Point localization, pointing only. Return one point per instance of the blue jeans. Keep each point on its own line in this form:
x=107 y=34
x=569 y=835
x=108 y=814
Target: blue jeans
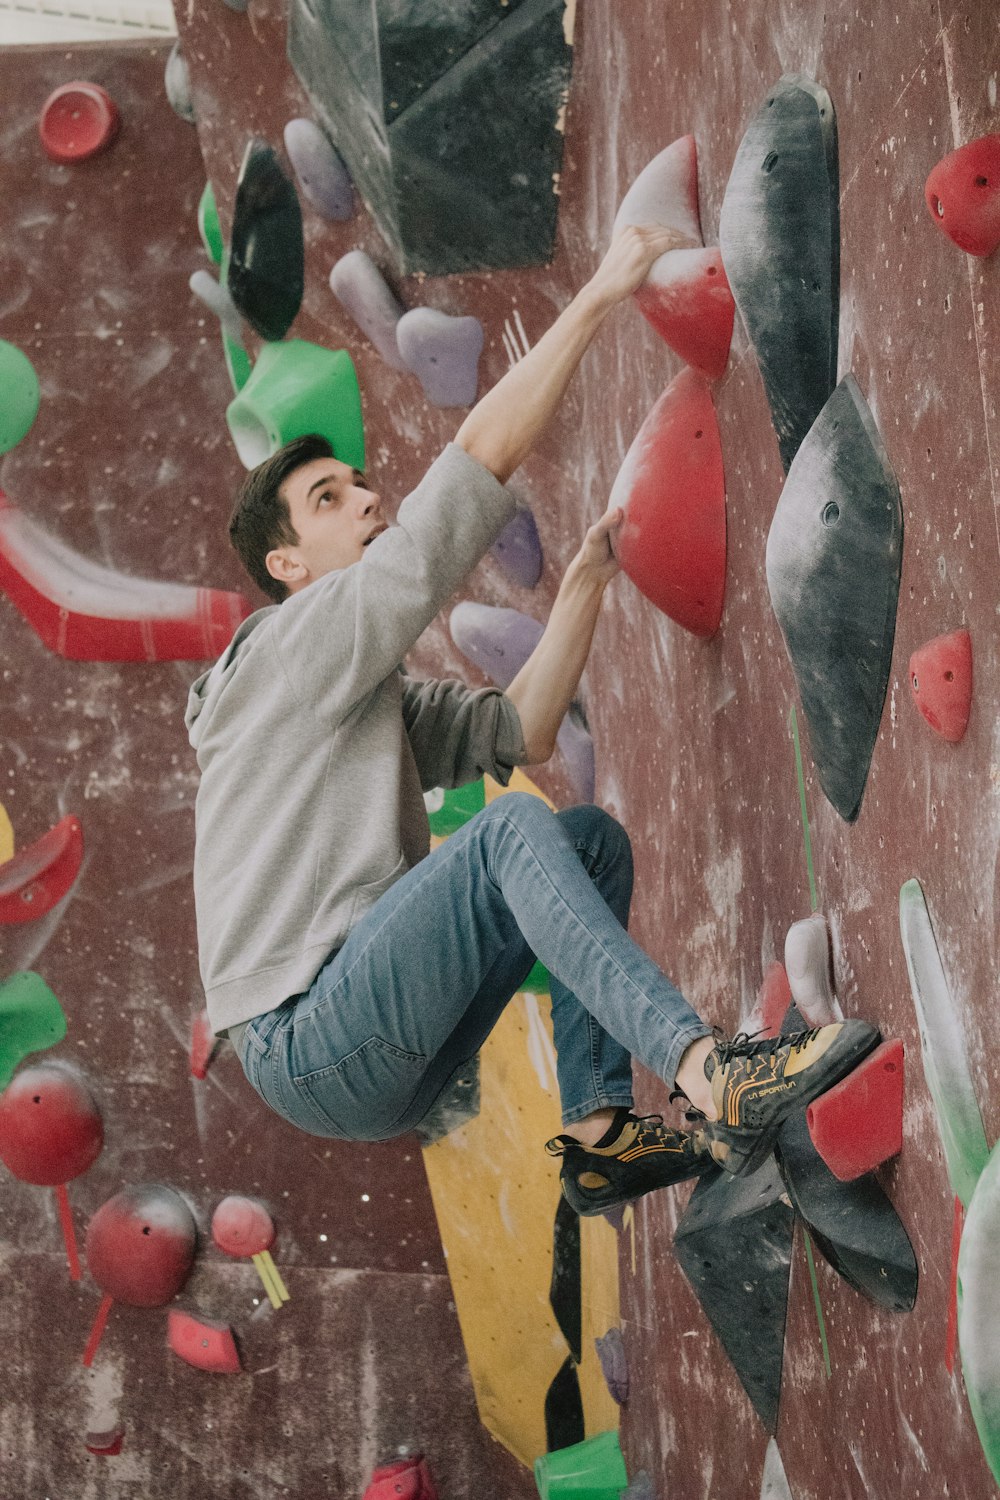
x=395 y=1014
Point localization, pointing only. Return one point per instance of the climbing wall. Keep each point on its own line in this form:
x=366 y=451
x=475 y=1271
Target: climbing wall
x=696 y=742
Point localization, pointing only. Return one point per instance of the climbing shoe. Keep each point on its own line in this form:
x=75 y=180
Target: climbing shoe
x=635 y=1156
x=758 y=1082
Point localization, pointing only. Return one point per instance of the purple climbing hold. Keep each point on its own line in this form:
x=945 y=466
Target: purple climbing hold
x=518 y=550
x=611 y=1353
x=361 y=289
x=319 y=171
x=443 y=351
x=500 y=641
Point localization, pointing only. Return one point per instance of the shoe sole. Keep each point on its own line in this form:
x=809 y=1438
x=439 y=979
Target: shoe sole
x=762 y=1144
x=589 y=1208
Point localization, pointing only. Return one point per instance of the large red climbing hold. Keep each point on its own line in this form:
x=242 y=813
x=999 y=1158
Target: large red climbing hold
x=858 y=1124
x=963 y=195
x=672 y=542
x=666 y=192
x=941 y=683
x=78 y=120
x=39 y=876
x=141 y=1244
x=686 y=297
x=206 y=1345
x=407 y=1479
x=50 y=1126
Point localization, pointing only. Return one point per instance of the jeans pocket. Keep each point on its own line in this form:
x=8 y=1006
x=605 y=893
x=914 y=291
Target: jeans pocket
x=364 y=1095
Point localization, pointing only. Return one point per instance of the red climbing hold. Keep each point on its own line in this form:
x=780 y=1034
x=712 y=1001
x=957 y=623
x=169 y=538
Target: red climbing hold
x=78 y=120
x=963 y=195
x=858 y=1124
x=687 y=299
x=773 y=1000
x=941 y=683
x=140 y=1245
x=36 y=878
x=105 y=1444
x=50 y=1126
x=672 y=542
x=408 y=1479
x=203 y=1044
x=207 y=1346
x=242 y=1226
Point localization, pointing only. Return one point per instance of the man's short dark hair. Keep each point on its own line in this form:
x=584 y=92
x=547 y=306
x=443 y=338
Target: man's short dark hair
x=261 y=519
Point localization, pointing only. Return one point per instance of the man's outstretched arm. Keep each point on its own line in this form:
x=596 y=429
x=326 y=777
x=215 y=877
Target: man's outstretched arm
x=502 y=429
x=546 y=685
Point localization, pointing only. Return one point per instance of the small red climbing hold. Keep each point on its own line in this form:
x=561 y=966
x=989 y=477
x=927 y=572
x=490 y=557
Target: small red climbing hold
x=242 y=1226
x=858 y=1124
x=38 y=877
x=78 y=120
x=407 y=1479
x=105 y=1444
x=672 y=542
x=941 y=683
x=206 y=1345
x=963 y=195
x=203 y=1044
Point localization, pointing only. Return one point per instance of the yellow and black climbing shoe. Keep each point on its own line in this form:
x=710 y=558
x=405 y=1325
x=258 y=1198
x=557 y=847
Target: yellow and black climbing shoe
x=635 y=1156
x=757 y=1083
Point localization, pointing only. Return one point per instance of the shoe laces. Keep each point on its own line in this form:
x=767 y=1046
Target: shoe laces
x=745 y=1044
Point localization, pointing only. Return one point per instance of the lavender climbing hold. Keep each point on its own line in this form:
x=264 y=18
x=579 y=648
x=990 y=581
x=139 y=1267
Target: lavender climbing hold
x=807 y=964
x=518 y=550
x=614 y=1366
x=443 y=352
x=319 y=171
x=576 y=747
x=177 y=81
x=215 y=296
x=362 y=291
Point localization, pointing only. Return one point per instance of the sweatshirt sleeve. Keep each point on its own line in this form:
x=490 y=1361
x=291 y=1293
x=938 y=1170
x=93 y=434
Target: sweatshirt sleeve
x=339 y=638
x=457 y=733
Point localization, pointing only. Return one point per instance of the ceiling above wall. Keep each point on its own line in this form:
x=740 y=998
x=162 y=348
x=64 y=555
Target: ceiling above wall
x=23 y=22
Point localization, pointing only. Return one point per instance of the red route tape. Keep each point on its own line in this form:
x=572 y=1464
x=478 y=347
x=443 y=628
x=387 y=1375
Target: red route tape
x=951 y=1336
x=97 y=1330
x=69 y=1233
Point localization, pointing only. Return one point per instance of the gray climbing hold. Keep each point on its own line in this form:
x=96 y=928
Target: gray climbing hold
x=216 y=298
x=239 y=5
x=177 y=80
x=780 y=236
x=518 y=550
x=834 y=555
x=979 y=1310
x=774 y=1481
x=614 y=1366
x=641 y=1488
x=319 y=170
x=361 y=289
x=807 y=965
x=443 y=352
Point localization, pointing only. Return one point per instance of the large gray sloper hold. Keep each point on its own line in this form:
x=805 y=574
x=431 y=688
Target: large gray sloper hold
x=834 y=554
x=324 y=180
x=780 y=238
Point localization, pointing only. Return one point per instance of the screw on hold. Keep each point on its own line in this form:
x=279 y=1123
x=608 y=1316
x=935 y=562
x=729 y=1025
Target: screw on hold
x=769 y=162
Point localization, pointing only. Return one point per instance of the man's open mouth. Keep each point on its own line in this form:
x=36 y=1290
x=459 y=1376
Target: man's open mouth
x=377 y=532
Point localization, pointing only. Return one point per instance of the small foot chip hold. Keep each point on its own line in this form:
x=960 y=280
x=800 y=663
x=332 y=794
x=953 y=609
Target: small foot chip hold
x=319 y=171
x=78 y=120
x=443 y=352
x=941 y=683
x=858 y=1124
x=266 y=272
x=177 y=81
x=206 y=1345
x=963 y=195
x=105 y=1444
x=37 y=878
x=363 y=293
x=406 y=1479
x=203 y=1044
x=672 y=542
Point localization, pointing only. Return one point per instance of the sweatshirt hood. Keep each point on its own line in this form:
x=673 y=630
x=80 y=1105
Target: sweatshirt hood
x=206 y=690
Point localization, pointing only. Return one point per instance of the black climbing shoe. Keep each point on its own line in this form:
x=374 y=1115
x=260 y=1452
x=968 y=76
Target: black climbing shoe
x=642 y=1154
x=757 y=1083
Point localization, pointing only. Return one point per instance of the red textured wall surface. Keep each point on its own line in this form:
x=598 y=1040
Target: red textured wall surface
x=693 y=748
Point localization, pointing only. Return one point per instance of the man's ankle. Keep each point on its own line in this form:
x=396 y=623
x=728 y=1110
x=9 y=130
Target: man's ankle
x=690 y=1078
x=592 y=1128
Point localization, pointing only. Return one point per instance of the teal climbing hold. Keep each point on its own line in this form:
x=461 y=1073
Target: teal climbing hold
x=298 y=388
x=979 y=1310
x=19 y=396
x=946 y=1065
x=209 y=227
x=31 y=1020
x=591 y=1470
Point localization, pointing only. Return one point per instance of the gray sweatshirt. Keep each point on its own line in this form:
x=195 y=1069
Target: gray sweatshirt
x=314 y=748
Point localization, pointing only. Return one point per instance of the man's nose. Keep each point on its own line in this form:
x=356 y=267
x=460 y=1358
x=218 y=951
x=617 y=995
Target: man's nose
x=371 y=501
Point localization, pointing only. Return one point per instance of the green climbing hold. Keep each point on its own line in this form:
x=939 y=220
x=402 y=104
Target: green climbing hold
x=298 y=388
x=237 y=362
x=209 y=227
x=978 y=1311
x=538 y=981
x=591 y=1470
x=448 y=809
x=31 y=1020
x=19 y=396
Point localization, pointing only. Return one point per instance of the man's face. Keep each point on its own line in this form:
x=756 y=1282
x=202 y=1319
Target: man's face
x=335 y=516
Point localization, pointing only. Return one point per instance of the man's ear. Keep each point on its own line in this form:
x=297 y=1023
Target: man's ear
x=287 y=570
